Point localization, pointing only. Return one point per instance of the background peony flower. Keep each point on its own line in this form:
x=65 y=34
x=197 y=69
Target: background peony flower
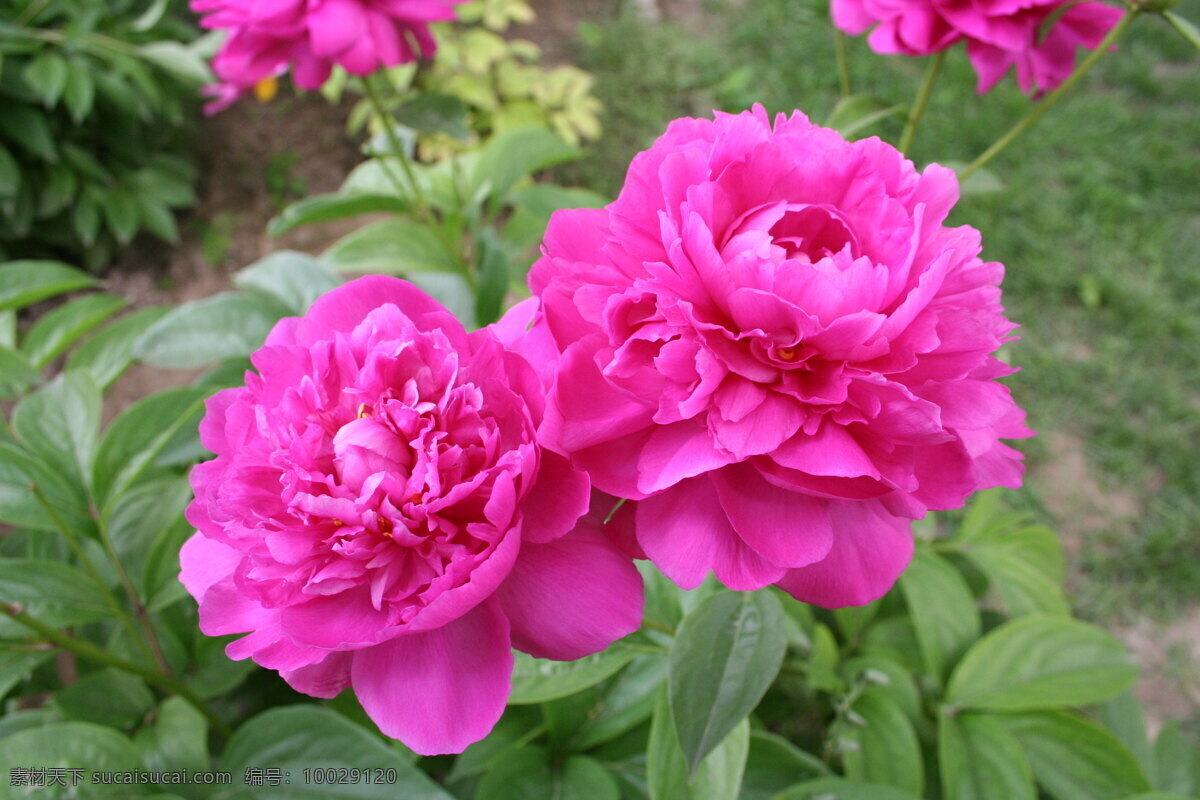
x=999 y=33
x=379 y=516
x=772 y=342
x=267 y=36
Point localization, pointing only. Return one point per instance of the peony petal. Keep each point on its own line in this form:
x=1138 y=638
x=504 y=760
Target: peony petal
x=677 y=452
x=441 y=690
x=789 y=529
x=572 y=597
x=326 y=678
x=558 y=499
x=203 y=562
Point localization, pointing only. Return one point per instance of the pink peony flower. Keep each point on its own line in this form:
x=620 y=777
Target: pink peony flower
x=773 y=343
x=268 y=36
x=379 y=516
x=998 y=33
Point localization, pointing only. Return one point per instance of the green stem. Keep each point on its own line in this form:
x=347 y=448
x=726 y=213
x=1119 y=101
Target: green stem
x=922 y=101
x=839 y=45
x=658 y=626
x=1053 y=97
x=139 y=609
x=31 y=11
x=90 y=567
x=385 y=118
x=93 y=653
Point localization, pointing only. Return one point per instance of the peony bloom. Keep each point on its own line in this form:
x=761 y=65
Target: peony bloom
x=998 y=33
x=379 y=516
x=266 y=36
x=772 y=342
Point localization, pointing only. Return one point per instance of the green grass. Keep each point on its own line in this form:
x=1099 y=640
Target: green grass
x=1099 y=227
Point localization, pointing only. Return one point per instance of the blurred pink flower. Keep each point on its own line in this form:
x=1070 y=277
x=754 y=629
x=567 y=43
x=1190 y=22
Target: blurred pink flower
x=1040 y=37
x=266 y=37
x=379 y=516
x=772 y=342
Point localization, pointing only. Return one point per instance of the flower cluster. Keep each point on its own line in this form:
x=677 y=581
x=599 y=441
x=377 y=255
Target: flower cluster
x=310 y=36
x=1039 y=37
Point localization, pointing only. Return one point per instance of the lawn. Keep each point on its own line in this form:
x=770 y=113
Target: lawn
x=1098 y=224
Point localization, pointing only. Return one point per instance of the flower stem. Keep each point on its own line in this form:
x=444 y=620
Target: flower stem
x=839 y=45
x=139 y=609
x=1053 y=97
x=922 y=101
x=91 y=652
x=385 y=117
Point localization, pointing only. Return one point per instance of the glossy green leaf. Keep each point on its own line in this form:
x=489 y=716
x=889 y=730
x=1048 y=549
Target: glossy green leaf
x=107 y=353
x=329 y=207
x=515 y=154
x=980 y=760
x=20 y=506
x=536 y=680
x=492 y=269
x=16 y=666
x=858 y=112
x=1187 y=29
x=1125 y=718
x=23 y=283
x=451 y=290
x=840 y=789
x=725 y=656
x=107 y=697
x=60 y=423
x=178 y=740
x=431 y=112
x=209 y=330
x=942 y=608
x=51 y=591
x=1039 y=662
x=390 y=247
x=528 y=773
x=1025 y=566
x=17 y=375
x=295 y=279
x=179 y=60
x=28 y=127
x=57 y=330
x=79 y=92
x=1176 y=761
x=293 y=738
x=1074 y=758
x=774 y=764
x=138 y=518
x=74 y=745
x=627 y=701
x=719 y=774
x=46 y=75
x=888 y=677
x=878 y=743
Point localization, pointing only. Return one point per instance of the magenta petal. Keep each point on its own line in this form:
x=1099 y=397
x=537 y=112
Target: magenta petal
x=326 y=678
x=336 y=621
x=203 y=562
x=685 y=532
x=572 y=597
x=343 y=309
x=442 y=690
x=870 y=550
x=676 y=452
x=789 y=529
x=558 y=499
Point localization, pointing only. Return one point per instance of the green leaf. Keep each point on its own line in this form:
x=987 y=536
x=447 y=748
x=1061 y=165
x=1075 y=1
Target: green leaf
x=54 y=592
x=858 y=111
x=329 y=207
x=628 y=700
x=46 y=75
x=430 y=112
x=839 y=789
x=1177 y=761
x=16 y=666
x=493 y=278
x=179 y=60
x=209 y=330
x=888 y=677
x=981 y=760
x=719 y=775
x=122 y=213
x=514 y=154
x=28 y=127
x=10 y=173
x=536 y=680
x=60 y=423
x=108 y=697
x=138 y=434
x=79 y=92
x=1124 y=718
x=390 y=247
x=1074 y=758
x=178 y=740
x=451 y=290
x=136 y=521
x=16 y=373
x=725 y=656
x=528 y=773
x=293 y=278
x=1041 y=662
x=23 y=283
x=942 y=608
x=878 y=743
x=295 y=738
x=57 y=330
x=18 y=504
x=1187 y=29
x=73 y=745
x=774 y=764
x=822 y=661
x=109 y=352
x=1025 y=567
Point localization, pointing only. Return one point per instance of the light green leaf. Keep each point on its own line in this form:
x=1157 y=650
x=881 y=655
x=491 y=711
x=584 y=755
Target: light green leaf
x=19 y=505
x=60 y=422
x=1187 y=29
x=536 y=680
x=178 y=740
x=179 y=60
x=719 y=775
x=1124 y=717
x=137 y=519
x=57 y=330
x=492 y=268
x=514 y=154
x=78 y=745
x=23 y=283
x=1074 y=758
x=209 y=330
x=878 y=743
x=430 y=112
x=725 y=656
x=295 y=279
x=108 y=697
x=1040 y=662
x=329 y=207
x=295 y=738
x=390 y=247
x=628 y=700
x=46 y=75
x=859 y=111
x=451 y=290
x=16 y=373
x=981 y=760
x=839 y=789
x=774 y=764
x=109 y=352
x=1177 y=761
x=1025 y=566
x=942 y=608
x=16 y=666
x=51 y=591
